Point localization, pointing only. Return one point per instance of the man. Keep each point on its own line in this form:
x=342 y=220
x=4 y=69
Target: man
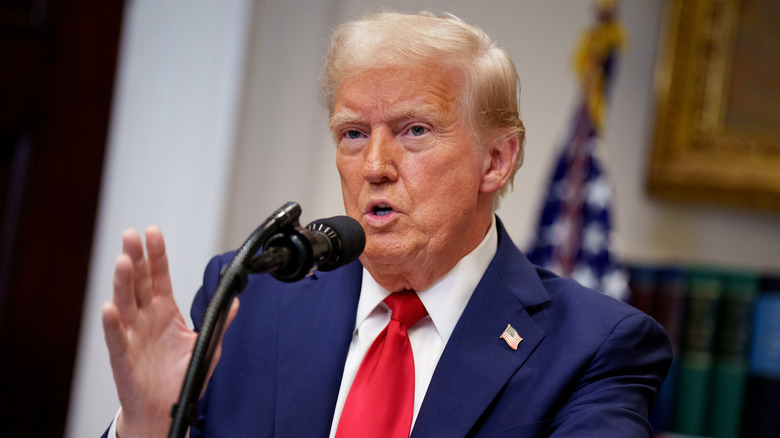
x=424 y=112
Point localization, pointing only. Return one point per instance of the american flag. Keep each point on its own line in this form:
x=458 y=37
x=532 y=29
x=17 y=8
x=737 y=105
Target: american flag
x=511 y=337
x=574 y=237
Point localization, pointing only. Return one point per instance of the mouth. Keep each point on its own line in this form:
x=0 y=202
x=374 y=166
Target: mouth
x=382 y=209
x=380 y=214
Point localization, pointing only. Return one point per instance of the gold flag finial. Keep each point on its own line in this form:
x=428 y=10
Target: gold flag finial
x=595 y=57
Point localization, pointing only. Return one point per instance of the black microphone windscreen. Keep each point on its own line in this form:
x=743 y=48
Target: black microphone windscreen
x=349 y=233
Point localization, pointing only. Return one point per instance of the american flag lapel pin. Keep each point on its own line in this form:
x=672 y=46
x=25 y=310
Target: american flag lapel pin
x=511 y=337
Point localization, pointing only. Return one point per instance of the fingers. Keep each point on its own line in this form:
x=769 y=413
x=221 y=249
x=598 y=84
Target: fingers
x=158 y=262
x=142 y=283
x=124 y=290
x=151 y=276
x=112 y=330
x=136 y=279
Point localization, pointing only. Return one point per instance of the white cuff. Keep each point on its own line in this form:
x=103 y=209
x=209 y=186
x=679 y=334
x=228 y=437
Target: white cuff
x=112 y=429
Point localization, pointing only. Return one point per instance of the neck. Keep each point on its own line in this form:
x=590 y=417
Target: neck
x=425 y=268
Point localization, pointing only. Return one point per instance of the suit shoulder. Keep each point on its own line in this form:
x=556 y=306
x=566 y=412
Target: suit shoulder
x=590 y=309
x=565 y=290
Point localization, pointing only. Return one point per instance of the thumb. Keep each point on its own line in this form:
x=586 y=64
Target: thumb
x=232 y=312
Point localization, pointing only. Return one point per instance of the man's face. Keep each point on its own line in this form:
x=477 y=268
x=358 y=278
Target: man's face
x=410 y=172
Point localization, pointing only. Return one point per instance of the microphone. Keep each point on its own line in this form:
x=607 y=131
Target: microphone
x=345 y=239
x=290 y=253
x=324 y=245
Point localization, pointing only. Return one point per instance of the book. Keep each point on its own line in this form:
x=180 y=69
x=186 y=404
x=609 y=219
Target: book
x=669 y=289
x=697 y=353
x=642 y=286
x=670 y=301
x=761 y=416
x=732 y=341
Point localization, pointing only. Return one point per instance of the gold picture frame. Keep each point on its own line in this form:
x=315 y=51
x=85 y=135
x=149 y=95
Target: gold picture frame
x=717 y=134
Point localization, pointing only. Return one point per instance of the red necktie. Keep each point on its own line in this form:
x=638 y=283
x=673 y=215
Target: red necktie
x=381 y=400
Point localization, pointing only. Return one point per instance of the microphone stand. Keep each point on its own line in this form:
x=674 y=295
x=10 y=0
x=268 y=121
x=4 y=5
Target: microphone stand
x=232 y=282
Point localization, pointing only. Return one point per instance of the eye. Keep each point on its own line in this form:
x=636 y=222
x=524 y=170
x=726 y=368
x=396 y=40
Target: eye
x=417 y=130
x=352 y=134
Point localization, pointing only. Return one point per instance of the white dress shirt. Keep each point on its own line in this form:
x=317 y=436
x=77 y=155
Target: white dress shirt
x=445 y=301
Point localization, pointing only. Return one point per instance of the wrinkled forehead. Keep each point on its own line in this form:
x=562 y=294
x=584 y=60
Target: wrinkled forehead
x=399 y=92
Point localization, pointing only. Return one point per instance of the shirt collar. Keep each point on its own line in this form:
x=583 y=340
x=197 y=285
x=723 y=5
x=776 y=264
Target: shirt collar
x=446 y=299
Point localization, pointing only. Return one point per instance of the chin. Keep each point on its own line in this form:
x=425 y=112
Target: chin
x=381 y=252
x=382 y=256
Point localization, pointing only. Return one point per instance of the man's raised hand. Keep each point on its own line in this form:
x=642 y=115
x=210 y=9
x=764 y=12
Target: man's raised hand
x=148 y=340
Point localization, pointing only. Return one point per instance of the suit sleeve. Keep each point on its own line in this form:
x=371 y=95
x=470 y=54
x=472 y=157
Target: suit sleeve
x=200 y=303
x=617 y=391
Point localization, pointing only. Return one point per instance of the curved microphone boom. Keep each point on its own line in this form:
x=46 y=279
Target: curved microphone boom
x=289 y=253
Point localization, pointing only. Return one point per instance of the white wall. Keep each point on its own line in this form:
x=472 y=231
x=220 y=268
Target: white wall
x=184 y=136
x=284 y=152
x=176 y=101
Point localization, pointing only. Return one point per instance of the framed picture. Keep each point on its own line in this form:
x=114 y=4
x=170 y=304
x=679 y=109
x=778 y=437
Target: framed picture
x=717 y=135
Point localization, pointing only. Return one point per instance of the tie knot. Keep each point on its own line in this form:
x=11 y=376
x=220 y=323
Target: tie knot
x=407 y=307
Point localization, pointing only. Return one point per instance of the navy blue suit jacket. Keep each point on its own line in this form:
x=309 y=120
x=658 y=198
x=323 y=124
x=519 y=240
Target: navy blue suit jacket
x=588 y=365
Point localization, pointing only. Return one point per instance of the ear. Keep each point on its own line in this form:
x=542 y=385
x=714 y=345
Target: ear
x=500 y=162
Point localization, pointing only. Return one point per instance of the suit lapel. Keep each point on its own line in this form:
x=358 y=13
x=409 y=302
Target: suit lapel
x=477 y=363
x=316 y=326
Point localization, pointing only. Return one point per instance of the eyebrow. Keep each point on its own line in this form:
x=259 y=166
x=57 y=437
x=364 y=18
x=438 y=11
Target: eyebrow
x=405 y=112
x=343 y=116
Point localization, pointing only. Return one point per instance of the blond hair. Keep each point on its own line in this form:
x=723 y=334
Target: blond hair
x=491 y=86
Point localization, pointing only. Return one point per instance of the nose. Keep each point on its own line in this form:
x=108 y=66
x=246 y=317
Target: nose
x=379 y=158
